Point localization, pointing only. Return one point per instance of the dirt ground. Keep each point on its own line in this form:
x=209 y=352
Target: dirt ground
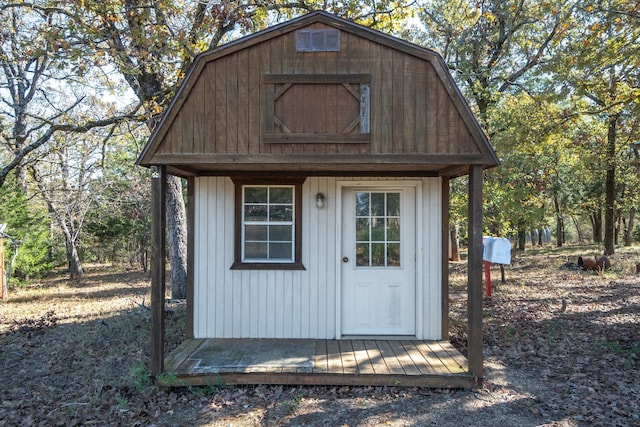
x=562 y=348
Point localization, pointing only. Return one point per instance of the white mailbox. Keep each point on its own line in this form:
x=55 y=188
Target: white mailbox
x=497 y=250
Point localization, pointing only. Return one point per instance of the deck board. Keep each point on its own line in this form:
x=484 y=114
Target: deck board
x=320 y=359
x=177 y=357
x=390 y=359
x=362 y=358
x=319 y=362
x=334 y=357
x=455 y=356
x=418 y=359
x=445 y=360
x=431 y=358
x=403 y=358
x=349 y=365
x=377 y=361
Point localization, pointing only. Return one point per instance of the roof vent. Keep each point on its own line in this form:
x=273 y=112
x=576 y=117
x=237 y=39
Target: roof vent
x=318 y=40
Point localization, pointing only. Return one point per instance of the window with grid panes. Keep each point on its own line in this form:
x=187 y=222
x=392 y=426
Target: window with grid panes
x=268 y=226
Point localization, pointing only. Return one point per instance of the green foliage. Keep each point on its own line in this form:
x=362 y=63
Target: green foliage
x=494 y=46
x=547 y=112
x=289 y=406
x=118 y=229
x=169 y=379
x=28 y=224
x=140 y=374
x=211 y=387
x=601 y=79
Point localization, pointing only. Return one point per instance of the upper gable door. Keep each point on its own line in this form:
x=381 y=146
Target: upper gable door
x=378 y=274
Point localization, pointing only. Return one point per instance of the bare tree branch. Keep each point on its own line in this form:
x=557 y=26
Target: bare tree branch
x=48 y=134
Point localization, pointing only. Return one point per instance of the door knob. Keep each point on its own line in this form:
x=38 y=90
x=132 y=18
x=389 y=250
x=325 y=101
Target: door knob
x=345 y=259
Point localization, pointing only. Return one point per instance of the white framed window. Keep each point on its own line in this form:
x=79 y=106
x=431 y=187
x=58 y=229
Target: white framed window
x=268 y=228
x=268 y=223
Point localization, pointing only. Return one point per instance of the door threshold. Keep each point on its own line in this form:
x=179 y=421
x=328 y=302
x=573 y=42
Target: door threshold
x=379 y=337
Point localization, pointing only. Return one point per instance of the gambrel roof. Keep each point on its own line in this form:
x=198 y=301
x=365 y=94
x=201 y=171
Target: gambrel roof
x=247 y=107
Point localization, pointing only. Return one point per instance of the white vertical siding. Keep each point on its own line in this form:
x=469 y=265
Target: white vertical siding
x=291 y=304
x=431 y=265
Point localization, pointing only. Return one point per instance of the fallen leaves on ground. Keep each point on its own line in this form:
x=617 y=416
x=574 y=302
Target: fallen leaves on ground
x=561 y=348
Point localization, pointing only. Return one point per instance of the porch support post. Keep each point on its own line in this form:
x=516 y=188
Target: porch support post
x=191 y=212
x=158 y=255
x=474 y=278
x=444 y=194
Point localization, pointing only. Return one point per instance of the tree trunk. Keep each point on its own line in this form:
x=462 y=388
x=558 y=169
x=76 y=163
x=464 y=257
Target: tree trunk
x=610 y=188
x=176 y=223
x=578 y=229
x=177 y=237
x=454 y=244
x=75 y=267
x=628 y=232
x=522 y=237
x=559 y=231
x=596 y=225
x=69 y=228
x=559 y=223
x=143 y=255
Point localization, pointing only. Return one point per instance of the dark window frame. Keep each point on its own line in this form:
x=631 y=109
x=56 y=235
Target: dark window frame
x=241 y=182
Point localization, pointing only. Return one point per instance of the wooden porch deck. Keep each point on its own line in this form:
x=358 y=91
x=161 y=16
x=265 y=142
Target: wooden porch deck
x=317 y=362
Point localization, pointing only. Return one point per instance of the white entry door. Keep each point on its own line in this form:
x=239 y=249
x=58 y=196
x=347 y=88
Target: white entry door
x=378 y=261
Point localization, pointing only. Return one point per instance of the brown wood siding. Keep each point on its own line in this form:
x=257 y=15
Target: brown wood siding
x=226 y=111
x=208 y=76
x=242 y=142
x=199 y=122
x=397 y=98
x=255 y=100
x=219 y=139
x=275 y=64
x=315 y=108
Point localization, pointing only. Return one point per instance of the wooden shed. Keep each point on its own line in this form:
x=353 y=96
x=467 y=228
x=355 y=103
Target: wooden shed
x=318 y=155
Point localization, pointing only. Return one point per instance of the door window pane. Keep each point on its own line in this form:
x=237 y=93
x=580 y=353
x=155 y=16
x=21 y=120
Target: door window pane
x=377 y=255
x=362 y=204
x=393 y=254
x=362 y=254
x=362 y=229
x=377 y=204
x=393 y=229
x=377 y=229
x=393 y=204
